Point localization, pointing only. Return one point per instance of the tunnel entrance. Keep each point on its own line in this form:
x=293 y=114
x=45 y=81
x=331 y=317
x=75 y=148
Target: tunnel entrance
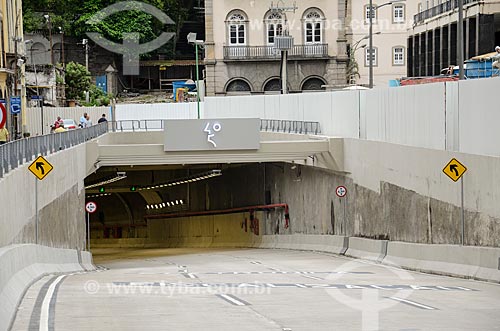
x=187 y=205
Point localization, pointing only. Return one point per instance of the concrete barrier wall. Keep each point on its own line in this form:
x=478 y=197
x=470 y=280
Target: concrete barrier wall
x=463 y=261
x=22 y=264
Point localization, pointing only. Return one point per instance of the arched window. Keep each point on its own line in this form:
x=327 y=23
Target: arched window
x=313 y=26
x=272 y=85
x=238 y=85
x=313 y=84
x=274 y=26
x=236 y=28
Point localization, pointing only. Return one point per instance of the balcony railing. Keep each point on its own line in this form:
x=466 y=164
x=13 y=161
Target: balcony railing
x=270 y=53
x=439 y=9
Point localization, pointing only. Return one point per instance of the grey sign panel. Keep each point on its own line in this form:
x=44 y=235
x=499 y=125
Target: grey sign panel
x=212 y=134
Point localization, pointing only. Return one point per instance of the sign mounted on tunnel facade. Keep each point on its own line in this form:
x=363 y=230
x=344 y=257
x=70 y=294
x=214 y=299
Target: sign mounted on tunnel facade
x=212 y=134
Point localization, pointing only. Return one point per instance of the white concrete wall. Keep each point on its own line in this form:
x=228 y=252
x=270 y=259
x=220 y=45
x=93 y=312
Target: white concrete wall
x=420 y=170
x=17 y=190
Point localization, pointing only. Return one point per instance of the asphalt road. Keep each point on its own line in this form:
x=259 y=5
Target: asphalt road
x=253 y=289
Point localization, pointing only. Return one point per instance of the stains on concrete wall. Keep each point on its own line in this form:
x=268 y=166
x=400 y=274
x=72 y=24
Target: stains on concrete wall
x=394 y=214
x=61 y=223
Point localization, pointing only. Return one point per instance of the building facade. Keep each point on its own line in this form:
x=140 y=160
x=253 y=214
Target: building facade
x=390 y=22
x=432 y=43
x=12 y=45
x=239 y=49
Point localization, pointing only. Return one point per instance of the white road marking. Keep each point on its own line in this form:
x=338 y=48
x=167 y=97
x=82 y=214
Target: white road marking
x=413 y=303
x=300 y=285
x=191 y=275
x=312 y=277
x=232 y=300
x=44 y=314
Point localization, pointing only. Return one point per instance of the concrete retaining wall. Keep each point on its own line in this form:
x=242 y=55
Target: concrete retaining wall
x=60 y=202
x=25 y=263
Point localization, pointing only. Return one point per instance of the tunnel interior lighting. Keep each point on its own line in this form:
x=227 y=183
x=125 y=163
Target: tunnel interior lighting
x=105 y=182
x=166 y=204
x=194 y=178
x=98 y=195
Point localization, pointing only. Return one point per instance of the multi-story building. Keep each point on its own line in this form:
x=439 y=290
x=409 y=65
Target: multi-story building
x=12 y=46
x=390 y=22
x=239 y=49
x=432 y=44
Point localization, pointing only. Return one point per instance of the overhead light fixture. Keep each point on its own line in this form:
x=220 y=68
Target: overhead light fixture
x=186 y=180
x=108 y=181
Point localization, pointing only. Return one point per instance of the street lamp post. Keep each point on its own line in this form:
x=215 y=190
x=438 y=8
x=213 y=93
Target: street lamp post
x=370 y=34
x=49 y=23
x=191 y=37
x=40 y=98
x=355 y=46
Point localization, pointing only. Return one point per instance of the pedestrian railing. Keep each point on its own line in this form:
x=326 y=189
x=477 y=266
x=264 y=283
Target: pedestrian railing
x=284 y=126
x=19 y=152
x=287 y=126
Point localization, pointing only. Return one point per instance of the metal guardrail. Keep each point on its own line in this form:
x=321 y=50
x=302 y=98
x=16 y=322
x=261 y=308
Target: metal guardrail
x=438 y=10
x=284 y=126
x=19 y=152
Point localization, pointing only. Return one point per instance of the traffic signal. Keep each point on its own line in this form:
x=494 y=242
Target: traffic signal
x=133 y=188
x=102 y=189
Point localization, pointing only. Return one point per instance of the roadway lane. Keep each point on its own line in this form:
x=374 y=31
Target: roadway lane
x=253 y=289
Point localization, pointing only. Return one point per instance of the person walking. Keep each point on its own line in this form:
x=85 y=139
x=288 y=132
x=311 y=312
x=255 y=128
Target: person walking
x=102 y=119
x=83 y=120
x=4 y=135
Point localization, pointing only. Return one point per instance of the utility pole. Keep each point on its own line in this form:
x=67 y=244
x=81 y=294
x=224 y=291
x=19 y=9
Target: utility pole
x=460 y=37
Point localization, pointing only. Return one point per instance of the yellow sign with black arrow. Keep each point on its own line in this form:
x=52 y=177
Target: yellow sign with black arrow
x=40 y=167
x=454 y=169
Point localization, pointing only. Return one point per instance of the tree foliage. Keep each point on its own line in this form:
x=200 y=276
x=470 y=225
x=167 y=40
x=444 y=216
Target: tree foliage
x=73 y=16
x=77 y=81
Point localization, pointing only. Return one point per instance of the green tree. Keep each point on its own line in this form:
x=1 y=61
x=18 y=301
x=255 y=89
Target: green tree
x=77 y=81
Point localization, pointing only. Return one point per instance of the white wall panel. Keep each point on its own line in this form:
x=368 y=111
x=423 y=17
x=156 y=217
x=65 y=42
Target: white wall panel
x=412 y=115
x=156 y=111
x=34 y=116
x=479 y=116
x=452 y=127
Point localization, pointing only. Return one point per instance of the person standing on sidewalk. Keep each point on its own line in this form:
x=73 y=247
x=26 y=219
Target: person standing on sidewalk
x=4 y=135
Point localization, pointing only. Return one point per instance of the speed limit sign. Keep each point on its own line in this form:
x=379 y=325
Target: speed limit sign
x=341 y=191
x=91 y=207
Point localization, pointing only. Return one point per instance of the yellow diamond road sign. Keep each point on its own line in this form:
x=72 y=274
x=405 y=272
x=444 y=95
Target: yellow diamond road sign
x=40 y=167
x=454 y=169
